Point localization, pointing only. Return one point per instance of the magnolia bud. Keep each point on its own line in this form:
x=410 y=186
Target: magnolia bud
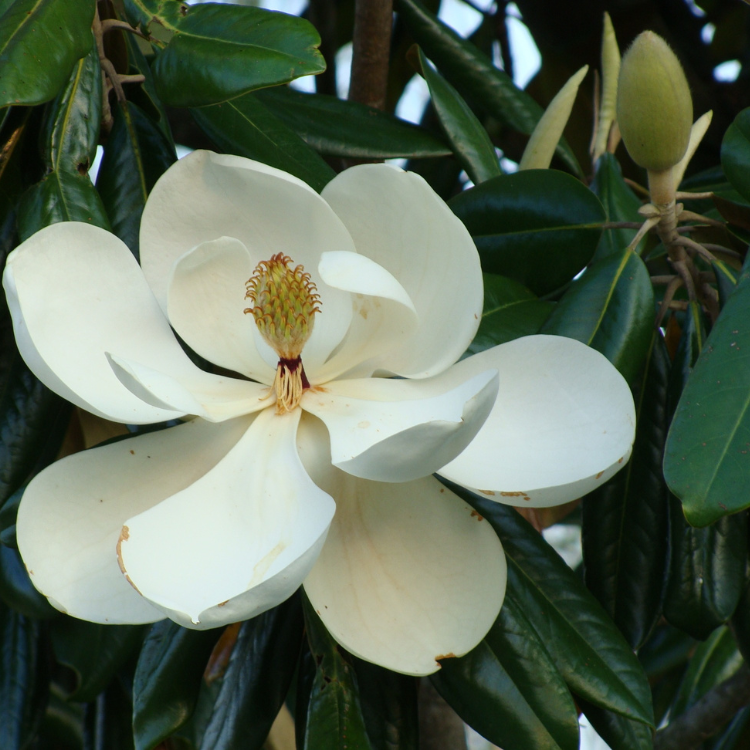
x=654 y=108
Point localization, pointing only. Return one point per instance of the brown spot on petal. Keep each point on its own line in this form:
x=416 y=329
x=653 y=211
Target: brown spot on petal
x=490 y=492
x=449 y=655
x=598 y=476
x=512 y=494
x=621 y=460
x=221 y=604
x=476 y=515
x=132 y=453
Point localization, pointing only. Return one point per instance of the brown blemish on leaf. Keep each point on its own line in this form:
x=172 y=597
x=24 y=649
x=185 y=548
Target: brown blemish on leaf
x=476 y=515
x=219 y=659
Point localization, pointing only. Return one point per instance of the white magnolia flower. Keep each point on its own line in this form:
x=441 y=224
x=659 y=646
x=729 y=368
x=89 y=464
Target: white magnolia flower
x=218 y=519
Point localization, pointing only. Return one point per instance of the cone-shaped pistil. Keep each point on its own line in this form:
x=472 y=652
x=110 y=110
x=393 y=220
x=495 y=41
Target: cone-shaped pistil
x=284 y=301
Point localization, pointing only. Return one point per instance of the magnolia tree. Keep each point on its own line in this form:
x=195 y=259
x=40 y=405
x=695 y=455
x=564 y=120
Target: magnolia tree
x=283 y=422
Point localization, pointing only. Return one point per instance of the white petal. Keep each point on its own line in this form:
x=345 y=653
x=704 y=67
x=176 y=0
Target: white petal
x=206 y=304
x=75 y=292
x=236 y=542
x=206 y=196
x=564 y=422
x=398 y=221
x=192 y=391
x=72 y=513
x=383 y=314
x=399 y=430
x=409 y=574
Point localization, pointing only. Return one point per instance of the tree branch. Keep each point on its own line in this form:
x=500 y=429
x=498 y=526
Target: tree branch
x=371 y=45
x=708 y=715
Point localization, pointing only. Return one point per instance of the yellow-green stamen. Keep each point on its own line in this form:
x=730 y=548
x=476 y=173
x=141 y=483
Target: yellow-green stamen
x=285 y=301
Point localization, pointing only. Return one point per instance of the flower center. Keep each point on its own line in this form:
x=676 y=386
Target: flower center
x=284 y=301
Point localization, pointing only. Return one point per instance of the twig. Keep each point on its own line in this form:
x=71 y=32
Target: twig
x=371 y=44
x=638 y=188
x=669 y=293
x=706 y=717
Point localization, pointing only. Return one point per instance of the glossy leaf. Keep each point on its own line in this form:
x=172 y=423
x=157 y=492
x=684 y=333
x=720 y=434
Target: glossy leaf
x=218 y=52
x=472 y=73
x=708 y=564
x=539 y=227
x=510 y=311
x=707 y=457
x=467 y=136
x=70 y=136
x=713 y=662
x=389 y=706
x=508 y=688
x=620 y=204
x=167 y=680
x=610 y=308
x=94 y=652
x=40 y=40
x=16 y=588
x=735 y=153
x=245 y=127
x=334 y=715
x=625 y=522
x=337 y=127
x=618 y=732
x=136 y=155
x=32 y=422
x=726 y=279
x=586 y=647
x=107 y=720
x=246 y=681
x=23 y=679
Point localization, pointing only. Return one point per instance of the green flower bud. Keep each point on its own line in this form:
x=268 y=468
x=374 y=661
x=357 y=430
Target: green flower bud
x=654 y=108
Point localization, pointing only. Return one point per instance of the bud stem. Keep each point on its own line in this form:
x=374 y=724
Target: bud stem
x=661 y=187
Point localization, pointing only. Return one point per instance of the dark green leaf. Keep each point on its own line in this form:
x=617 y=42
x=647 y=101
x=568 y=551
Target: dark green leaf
x=539 y=227
x=71 y=130
x=467 y=136
x=62 y=725
x=735 y=153
x=337 y=127
x=708 y=564
x=707 y=456
x=94 y=652
x=250 y=688
x=508 y=688
x=16 y=589
x=60 y=196
x=334 y=715
x=474 y=75
x=136 y=155
x=107 y=721
x=167 y=680
x=389 y=706
x=625 y=522
x=588 y=650
x=218 y=52
x=620 y=204
x=610 y=308
x=510 y=311
x=245 y=127
x=23 y=682
x=618 y=732
x=713 y=662
x=734 y=737
x=40 y=40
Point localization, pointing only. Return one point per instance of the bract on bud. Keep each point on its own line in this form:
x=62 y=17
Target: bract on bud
x=654 y=108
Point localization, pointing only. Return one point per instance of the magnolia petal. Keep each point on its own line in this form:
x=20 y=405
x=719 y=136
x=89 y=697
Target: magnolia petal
x=236 y=542
x=409 y=574
x=206 y=196
x=398 y=221
x=207 y=296
x=75 y=291
x=72 y=513
x=212 y=397
x=564 y=423
x=383 y=314
x=399 y=430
